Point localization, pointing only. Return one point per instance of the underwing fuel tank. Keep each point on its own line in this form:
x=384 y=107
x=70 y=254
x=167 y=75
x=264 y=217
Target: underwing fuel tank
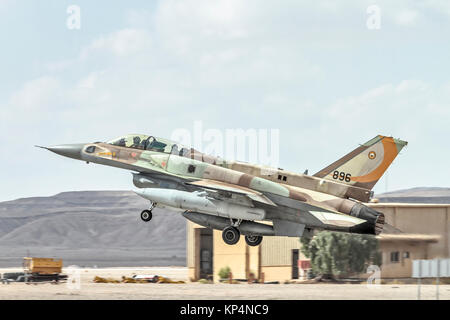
x=219 y=223
x=199 y=202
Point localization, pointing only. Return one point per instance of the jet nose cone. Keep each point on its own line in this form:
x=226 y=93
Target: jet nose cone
x=68 y=150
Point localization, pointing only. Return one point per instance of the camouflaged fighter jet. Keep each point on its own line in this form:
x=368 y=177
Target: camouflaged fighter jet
x=242 y=198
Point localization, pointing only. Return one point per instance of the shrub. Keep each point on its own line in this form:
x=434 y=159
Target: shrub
x=341 y=254
x=224 y=273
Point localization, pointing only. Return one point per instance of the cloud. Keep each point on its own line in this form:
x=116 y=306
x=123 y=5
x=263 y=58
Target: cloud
x=33 y=99
x=394 y=107
x=89 y=82
x=436 y=6
x=121 y=43
x=407 y=18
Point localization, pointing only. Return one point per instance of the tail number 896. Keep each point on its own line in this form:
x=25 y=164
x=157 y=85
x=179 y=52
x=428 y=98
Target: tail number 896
x=342 y=176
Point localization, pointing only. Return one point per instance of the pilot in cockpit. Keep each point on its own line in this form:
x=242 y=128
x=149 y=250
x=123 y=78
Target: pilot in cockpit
x=121 y=143
x=136 y=143
x=175 y=150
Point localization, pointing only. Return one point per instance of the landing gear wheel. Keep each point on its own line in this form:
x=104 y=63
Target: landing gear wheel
x=230 y=235
x=146 y=215
x=253 y=240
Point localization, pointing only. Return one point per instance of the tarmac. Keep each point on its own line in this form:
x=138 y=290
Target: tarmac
x=86 y=289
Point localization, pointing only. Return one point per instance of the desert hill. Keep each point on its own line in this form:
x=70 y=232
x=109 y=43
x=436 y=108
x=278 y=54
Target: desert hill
x=90 y=228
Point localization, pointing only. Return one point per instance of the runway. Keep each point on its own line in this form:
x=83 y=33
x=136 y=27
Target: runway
x=197 y=291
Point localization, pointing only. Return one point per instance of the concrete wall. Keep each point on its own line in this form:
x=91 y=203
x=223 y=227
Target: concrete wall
x=235 y=256
x=254 y=260
x=403 y=268
x=193 y=250
x=277 y=273
x=190 y=244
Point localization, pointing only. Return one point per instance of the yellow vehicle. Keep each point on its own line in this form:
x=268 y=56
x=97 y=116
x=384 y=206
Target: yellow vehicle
x=43 y=269
x=42 y=265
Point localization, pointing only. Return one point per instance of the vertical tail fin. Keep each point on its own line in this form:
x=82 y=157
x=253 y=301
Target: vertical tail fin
x=365 y=165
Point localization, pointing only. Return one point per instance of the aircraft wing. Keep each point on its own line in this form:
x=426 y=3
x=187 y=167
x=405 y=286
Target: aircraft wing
x=318 y=215
x=226 y=190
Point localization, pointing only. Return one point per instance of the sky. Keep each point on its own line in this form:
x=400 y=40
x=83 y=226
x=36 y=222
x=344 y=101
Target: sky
x=320 y=72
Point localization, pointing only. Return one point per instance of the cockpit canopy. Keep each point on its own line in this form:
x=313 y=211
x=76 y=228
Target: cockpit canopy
x=144 y=142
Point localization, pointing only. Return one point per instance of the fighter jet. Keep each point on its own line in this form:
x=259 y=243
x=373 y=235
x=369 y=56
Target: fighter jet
x=247 y=199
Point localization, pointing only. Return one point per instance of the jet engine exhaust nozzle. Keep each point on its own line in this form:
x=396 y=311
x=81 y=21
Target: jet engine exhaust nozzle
x=374 y=220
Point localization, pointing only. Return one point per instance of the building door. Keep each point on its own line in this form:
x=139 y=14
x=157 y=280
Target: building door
x=294 y=263
x=206 y=253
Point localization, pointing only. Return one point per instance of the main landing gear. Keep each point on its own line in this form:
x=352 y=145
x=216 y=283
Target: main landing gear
x=231 y=235
x=253 y=240
x=147 y=215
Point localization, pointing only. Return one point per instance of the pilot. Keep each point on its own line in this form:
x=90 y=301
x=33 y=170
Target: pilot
x=121 y=142
x=136 y=142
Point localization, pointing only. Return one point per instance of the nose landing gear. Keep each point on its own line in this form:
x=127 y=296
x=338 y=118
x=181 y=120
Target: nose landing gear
x=147 y=215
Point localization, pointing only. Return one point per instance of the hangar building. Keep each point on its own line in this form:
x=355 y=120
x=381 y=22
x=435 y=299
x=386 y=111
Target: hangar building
x=425 y=235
